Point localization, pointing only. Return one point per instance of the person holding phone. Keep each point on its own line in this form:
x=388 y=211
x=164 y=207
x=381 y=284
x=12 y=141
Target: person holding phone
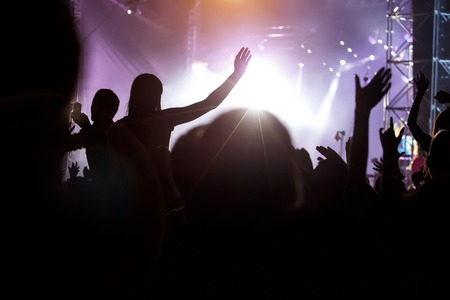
x=92 y=137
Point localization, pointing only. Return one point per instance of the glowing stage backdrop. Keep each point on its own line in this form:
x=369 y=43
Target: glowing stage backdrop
x=305 y=55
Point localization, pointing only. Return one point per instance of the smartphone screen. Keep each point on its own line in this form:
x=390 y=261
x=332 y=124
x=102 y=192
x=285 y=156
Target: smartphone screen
x=76 y=108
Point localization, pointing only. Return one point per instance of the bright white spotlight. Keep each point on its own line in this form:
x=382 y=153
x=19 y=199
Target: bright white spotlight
x=267 y=83
x=342 y=62
x=372 y=57
x=199 y=67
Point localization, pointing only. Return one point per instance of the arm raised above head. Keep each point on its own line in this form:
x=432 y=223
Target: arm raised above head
x=419 y=135
x=366 y=98
x=216 y=97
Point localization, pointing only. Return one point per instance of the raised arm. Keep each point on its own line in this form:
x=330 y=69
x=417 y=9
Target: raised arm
x=419 y=135
x=366 y=98
x=215 y=98
x=392 y=187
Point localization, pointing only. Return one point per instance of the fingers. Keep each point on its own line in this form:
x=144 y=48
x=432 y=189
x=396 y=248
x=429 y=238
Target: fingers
x=240 y=52
x=400 y=135
x=243 y=53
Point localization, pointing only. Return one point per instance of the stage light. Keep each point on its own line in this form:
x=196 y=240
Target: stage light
x=133 y=7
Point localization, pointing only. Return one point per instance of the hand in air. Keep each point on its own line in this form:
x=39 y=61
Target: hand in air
x=389 y=141
x=241 y=60
x=421 y=83
x=371 y=94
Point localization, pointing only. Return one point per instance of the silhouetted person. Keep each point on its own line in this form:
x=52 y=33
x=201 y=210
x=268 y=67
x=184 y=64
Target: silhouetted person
x=238 y=178
x=152 y=126
x=92 y=137
x=41 y=67
x=420 y=229
x=430 y=202
x=442 y=120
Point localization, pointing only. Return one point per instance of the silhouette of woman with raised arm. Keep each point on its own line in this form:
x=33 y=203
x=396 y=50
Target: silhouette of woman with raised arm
x=152 y=126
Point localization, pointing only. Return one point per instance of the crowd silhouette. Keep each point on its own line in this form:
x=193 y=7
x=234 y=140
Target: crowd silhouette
x=233 y=211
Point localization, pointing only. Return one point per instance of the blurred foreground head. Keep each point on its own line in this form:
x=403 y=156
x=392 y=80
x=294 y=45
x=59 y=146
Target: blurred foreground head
x=438 y=160
x=239 y=166
x=41 y=54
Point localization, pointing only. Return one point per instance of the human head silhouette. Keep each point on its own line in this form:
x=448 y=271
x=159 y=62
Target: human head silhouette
x=145 y=96
x=41 y=67
x=41 y=49
x=105 y=105
x=442 y=121
x=244 y=161
x=438 y=160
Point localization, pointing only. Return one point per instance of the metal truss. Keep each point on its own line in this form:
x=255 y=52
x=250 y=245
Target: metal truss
x=400 y=58
x=440 y=63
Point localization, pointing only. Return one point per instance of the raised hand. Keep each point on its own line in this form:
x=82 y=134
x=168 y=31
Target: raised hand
x=389 y=141
x=73 y=170
x=81 y=119
x=421 y=83
x=371 y=94
x=392 y=186
x=378 y=165
x=366 y=98
x=332 y=157
x=241 y=61
x=419 y=135
x=330 y=154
